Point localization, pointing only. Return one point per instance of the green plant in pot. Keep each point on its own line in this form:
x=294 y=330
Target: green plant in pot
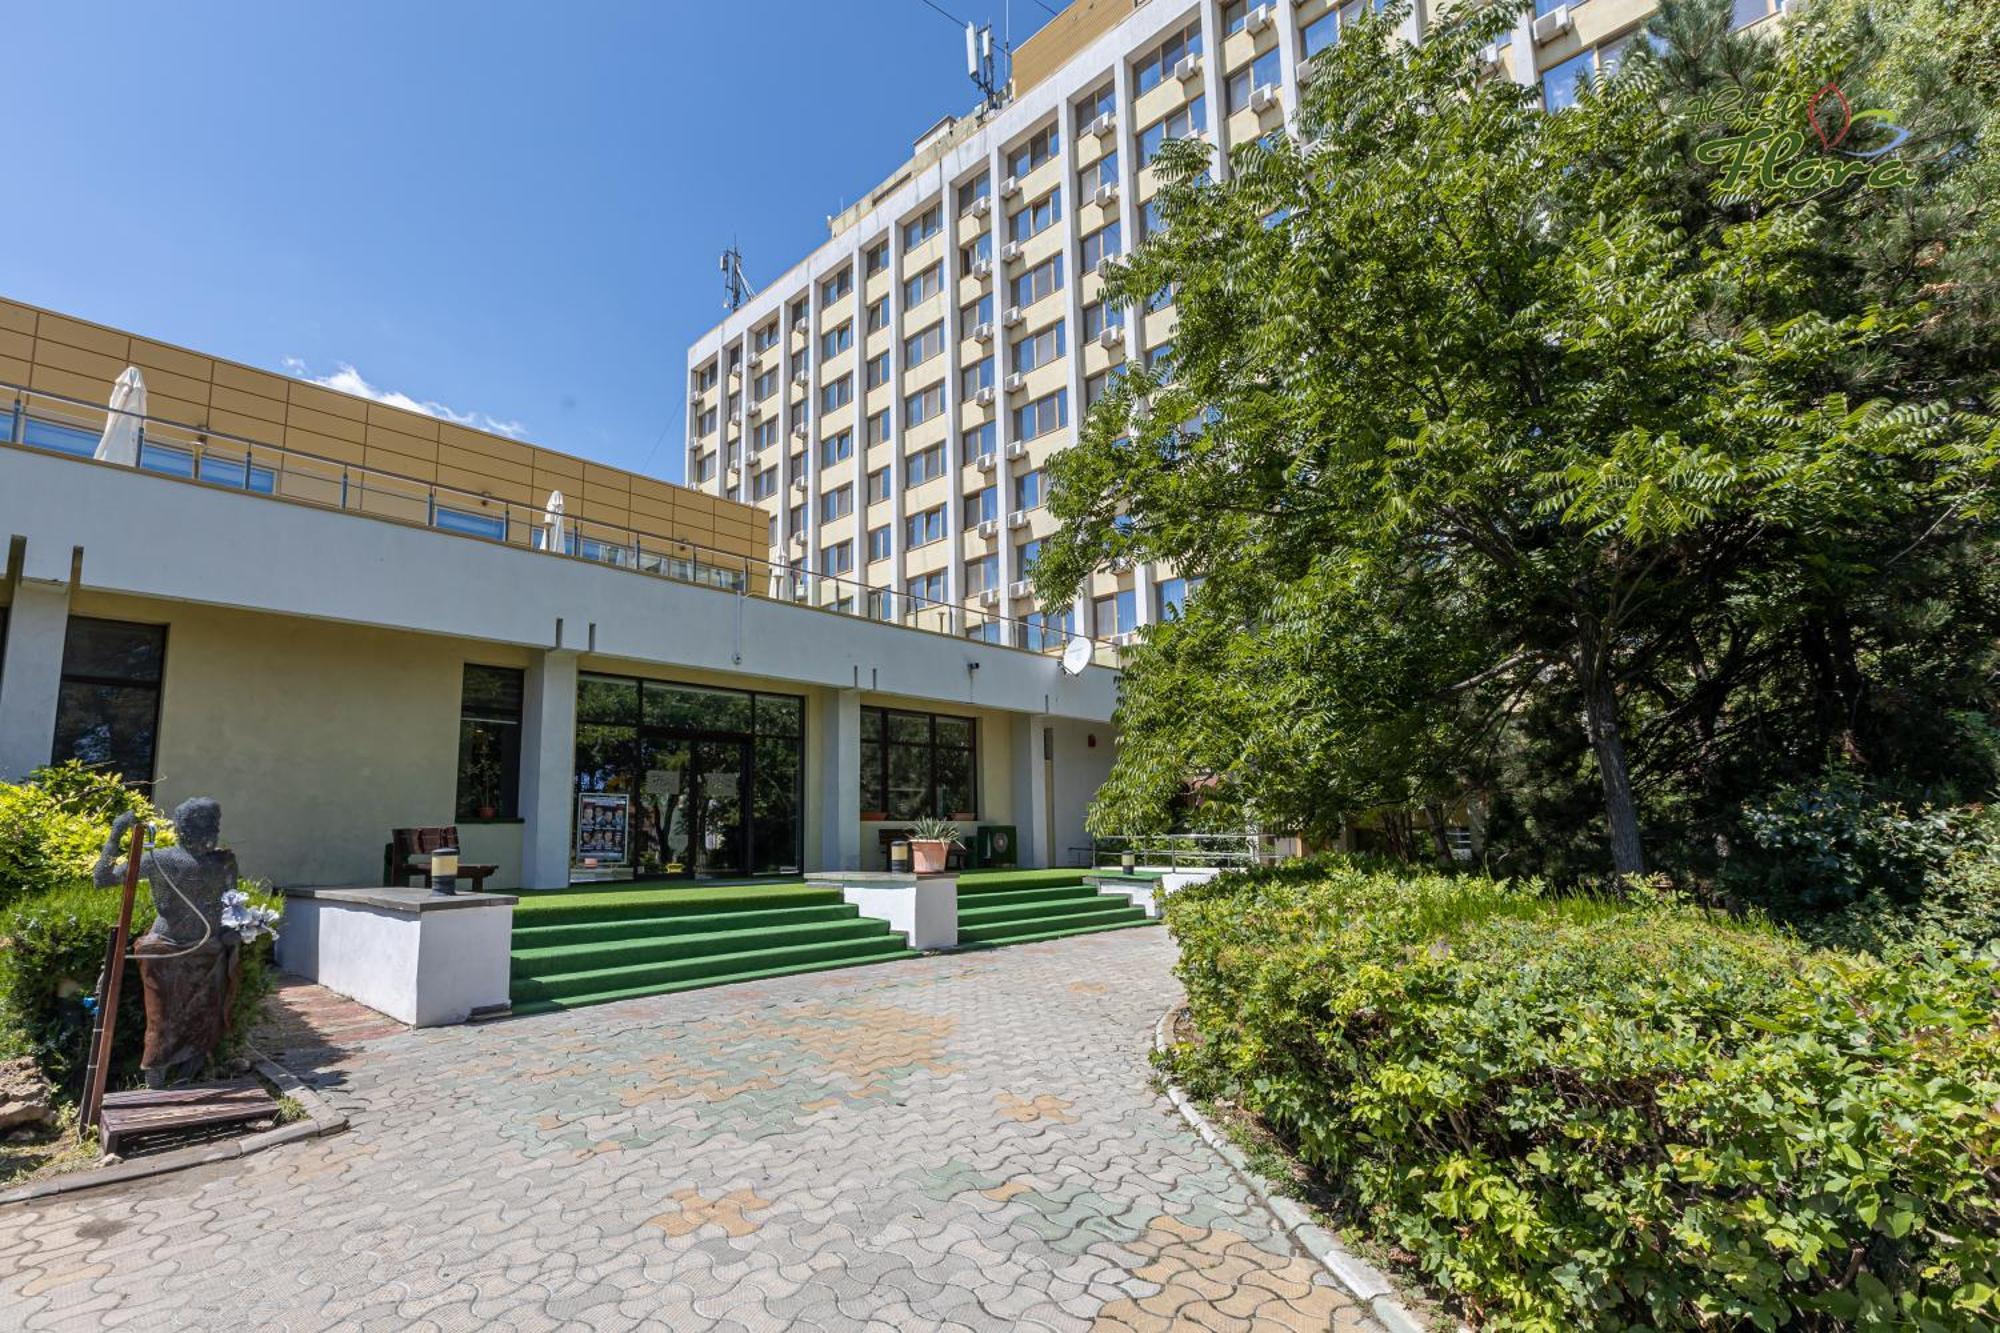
x=931 y=841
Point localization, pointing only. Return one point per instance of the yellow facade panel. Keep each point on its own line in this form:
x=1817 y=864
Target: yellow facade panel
x=225 y=422
x=606 y=478
x=13 y=370
x=481 y=483
x=451 y=455
x=560 y=465
x=17 y=318
x=380 y=437
x=87 y=337
x=493 y=446
x=79 y=361
x=245 y=380
x=167 y=384
x=653 y=489
x=334 y=404
x=224 y=398
x=401 y=420
x=16 y=344
x=51 y=379
x=168 y=408
x=324 y=446
x=403 y=465
x=325 y=423
x=151 y=356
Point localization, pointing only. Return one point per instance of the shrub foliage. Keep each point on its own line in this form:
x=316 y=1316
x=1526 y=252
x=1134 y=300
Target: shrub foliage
x=1579 y=1113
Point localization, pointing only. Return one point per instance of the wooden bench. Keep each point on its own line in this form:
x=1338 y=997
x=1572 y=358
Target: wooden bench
x=408 y=856
x=955 y=859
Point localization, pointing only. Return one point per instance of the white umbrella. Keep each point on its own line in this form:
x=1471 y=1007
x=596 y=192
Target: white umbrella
x=553 y=518
x=128 y=409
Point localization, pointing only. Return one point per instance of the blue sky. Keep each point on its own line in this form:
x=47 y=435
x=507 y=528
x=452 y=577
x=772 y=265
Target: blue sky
x=511 y=210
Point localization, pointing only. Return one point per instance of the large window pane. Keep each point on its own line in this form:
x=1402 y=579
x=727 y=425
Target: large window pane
x=114 y=650
x=689 y=708
x=604 y=699
x=775 y=805
x=923 y=765
x=108 y=707
x=489 y=743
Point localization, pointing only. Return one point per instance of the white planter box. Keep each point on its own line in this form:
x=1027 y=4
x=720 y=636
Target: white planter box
x=423 y=958
x=923 y=907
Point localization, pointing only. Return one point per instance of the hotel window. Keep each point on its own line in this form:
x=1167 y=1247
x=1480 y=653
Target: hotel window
x=1170 y=599
x=878 y=315
x=1037 y=350
x=1042 y=280
x=922 y=227
x=1034 y=219
x=977 y=376
x=705 y=378
x=765 y=485
x=923 y=529
x=798 y=518
x=1025 y=556
x=1116 y=614
x=978 y=248
x=735 y=359
x=836 y=503
x=1048 y=629
x=927 y=589
x=1160 y=360
x=1036 y=419
x=801 y=308
x=924 y=465
x=1039 y=148
x=878 y=485
x=838 y=558
x=878 y=543
x=764 y=434
x=1028 y=490
x=1563 y=84
x=1259 y=73
x=979 y=187
x=981 y=573
x=704 y=470
x=982 y=505
x=878 y=427
x=1097 y=317
x=1178 y=124
x=839 y=393
x=108 y=701
x=703 y=424
x=764 y=385
x=489 y=743
x=922 y=287
x=836 y=340
x=974 y=313
x=1104 y=171
x=922 y=405
x=799 y=464
x=834 y=448
x=1233 y=16
x=977 y=442
x=1103 y=102
x=1318 y=35
x=837 y=286
x=877 y=258
x=924 y=344
x=1099 y=246
x=917 y=764
x=878 y=371
x=1158 y=64
x=1096 y=386
x=764 y=339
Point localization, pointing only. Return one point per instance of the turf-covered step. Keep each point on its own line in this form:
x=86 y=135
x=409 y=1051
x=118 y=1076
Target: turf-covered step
x=634 y=927
x=980 y=882
x=543 y=1006
x=556 y=907
x=705 y=969
x=1080 y=923
x=632 y=950
x=1033 y=936
x=987 y=913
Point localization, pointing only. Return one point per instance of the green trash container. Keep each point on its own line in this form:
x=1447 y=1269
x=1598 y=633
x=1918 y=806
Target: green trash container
x=995 y=845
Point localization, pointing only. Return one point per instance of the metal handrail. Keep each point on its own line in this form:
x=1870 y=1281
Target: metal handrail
x=1194 y=849
x=298 y=476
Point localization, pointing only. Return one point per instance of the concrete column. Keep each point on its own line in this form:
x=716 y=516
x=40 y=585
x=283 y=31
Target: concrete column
x=839 y=769
x=31 y=676
x=1031 y=791
x=548 y=769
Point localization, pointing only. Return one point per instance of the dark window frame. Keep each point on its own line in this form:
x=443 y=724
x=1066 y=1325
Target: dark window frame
x=156 y=686
x=507 y=801
x=875 y=721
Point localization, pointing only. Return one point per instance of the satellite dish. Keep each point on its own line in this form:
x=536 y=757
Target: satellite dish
x=1076 y=656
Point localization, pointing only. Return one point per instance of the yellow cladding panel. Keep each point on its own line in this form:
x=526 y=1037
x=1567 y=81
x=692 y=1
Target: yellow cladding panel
x=167 y=384
x=223 y=399
x=559 y=465
x=79 y=361
x=14 y=343
x=415 y=446
x=326 y=423
x=609 y=479
x=402 y=465
x=171 y=409
x=493 y=446
x=49 y=379
x=482 y=483
x=519 y=474
x=252 y=428
x=158 y=356
x=1062 y=37
x=18 y=318
x=301 y=394
x=13 y=370
x=245 y=380
x=89 y=337
x=402 y=421
x=324 y=446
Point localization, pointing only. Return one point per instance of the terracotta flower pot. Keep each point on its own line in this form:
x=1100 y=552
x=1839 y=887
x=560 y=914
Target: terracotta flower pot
x=928 y=858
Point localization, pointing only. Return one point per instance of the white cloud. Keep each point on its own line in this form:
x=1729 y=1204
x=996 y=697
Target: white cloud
x=346 y=379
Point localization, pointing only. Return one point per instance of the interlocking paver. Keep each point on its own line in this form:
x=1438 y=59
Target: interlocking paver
x=951 y=1142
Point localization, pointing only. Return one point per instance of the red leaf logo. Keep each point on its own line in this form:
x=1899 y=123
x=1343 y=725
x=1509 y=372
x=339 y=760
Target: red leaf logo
x=1834 y=127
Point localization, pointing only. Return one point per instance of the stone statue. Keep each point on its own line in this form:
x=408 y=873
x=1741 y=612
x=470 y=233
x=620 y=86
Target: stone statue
x=188 y=960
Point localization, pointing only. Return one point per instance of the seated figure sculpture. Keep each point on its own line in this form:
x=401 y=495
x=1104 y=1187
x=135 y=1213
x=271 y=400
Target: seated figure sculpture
x=188 y=959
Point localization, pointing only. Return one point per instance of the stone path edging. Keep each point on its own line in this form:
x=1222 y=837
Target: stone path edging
x=1353 y=1273
x=320 y=1119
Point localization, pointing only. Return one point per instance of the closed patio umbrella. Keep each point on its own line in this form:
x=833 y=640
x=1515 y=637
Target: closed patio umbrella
x=120 y=443
x=552 y=517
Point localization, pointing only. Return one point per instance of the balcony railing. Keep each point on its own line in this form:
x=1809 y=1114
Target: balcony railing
x=55 y=423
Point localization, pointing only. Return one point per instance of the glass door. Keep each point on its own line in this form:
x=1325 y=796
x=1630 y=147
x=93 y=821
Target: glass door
x=721 y=780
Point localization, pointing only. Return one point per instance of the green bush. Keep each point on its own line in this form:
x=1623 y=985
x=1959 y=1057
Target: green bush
x=53 y=825
x=1587 y=1114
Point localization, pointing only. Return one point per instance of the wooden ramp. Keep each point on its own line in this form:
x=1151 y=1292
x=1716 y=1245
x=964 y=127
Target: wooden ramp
x=174 y=1113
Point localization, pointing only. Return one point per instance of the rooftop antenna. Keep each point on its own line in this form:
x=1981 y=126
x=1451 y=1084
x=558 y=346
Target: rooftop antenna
x=734 y=285
x=979 y=64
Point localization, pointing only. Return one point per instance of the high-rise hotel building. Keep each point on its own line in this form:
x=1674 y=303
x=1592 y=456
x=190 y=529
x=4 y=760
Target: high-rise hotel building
x=892 y=401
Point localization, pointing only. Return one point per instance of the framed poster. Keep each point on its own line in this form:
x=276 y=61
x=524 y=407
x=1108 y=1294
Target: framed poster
x=603 y=824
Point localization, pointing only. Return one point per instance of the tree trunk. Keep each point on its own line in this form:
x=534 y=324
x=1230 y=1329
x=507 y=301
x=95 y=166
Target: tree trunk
x=1600 y=718
x=1434 y=816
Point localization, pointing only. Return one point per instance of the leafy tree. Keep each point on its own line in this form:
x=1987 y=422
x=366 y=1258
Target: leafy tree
x=1482 y=421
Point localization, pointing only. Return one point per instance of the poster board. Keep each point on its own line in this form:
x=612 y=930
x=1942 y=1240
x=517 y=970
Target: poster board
x=603 y=825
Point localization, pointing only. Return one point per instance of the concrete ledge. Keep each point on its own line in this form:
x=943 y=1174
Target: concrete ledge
x=423 y=958
x=1354 y=1274
x=923 y=907
x=321 y=1119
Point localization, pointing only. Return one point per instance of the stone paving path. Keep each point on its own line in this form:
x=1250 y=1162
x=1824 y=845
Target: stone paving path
x=965 y=1142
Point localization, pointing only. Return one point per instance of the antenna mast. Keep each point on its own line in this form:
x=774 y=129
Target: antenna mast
x=734 y=285
x=979 y=64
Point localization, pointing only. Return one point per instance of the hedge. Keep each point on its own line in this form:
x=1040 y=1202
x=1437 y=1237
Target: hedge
x=1579 y=1113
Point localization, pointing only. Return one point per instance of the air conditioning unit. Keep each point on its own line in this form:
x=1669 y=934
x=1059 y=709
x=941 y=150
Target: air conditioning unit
x=1121 y=564
x=982 y=206
x=1112 y=335
x=801 y=375
x=982 y=268
x=1010 y=187
x=1012 y=316
x=799 y=541
x=1552 y=24
x=1103 y=125
x=1018 y=519
x=1020 y=588
x=1010 y=252
x=1016 y=382
x=989 y=529
x=1259 y=18
x=982 y=332
x=985 y=396
x=1104 y=194
x=1017 y=449
x=1264 y=99
x=1489 y=58
x=799 y=484
x=1188 y=68
x=798 y=430
x=990 y=597
x=1125 y=640
x=985 y=462
x=733 y=478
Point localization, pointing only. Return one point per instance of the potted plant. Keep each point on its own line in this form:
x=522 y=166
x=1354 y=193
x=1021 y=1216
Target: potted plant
x=931 y=841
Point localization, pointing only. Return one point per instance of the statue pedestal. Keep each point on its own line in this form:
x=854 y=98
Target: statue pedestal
x=423 y=958
x=923 y=907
